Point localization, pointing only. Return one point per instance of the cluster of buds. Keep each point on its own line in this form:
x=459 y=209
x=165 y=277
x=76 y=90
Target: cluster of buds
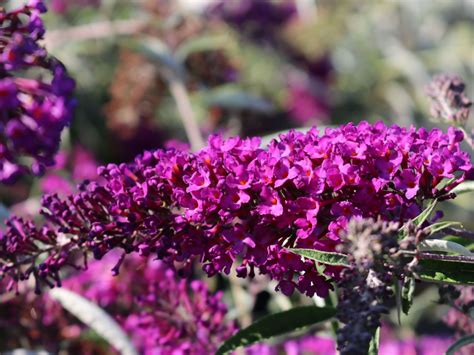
x=449 y=101
x=33 y=111
x=375 y=260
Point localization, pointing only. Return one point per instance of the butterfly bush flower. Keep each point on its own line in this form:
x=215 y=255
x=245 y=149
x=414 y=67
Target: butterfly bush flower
x=33 y=111
x=234 y=203
x=162 y=314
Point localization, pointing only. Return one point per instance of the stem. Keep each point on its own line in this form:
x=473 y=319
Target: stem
x=374 y=343
x=95 y=30
x=429 y=256
x=467 y=137
x=331 y=301
x=183 y=104
x=459 y=233
x=238 y=295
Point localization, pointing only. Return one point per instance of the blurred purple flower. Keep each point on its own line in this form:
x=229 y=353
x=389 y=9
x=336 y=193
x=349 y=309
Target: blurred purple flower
x=459 y=317
x=319 y=345
x=69 y=169
x=256 y=19
x=304 y=106
x=162 y=313
x=34 y=112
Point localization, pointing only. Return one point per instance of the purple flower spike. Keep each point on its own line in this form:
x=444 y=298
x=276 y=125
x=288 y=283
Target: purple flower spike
x=33 y=112
x=236 y=203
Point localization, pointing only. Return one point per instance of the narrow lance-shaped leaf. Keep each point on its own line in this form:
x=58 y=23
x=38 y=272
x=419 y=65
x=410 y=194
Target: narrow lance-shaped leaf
x=398 y=298
x=464 y=187
x=277 y=324
x=423 y=216
x=444 y=271
x=439 y=226
x=324 y=257
x=159 y=52
x=466 y=243
x=232 y=97
x=468 y=339
x=408 y=291
x=443 y=246
x=201 y=44
x=96 y=318
x=445 y=182
x=374 y=343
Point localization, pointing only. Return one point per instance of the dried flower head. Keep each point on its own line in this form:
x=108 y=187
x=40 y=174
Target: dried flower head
x=365 y=287
x=448 y=100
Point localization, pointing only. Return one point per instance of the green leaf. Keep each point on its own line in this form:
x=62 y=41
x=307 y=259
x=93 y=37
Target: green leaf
x=398 y=299
x=324 y=257
x=443 y=245
x=277 y=324
x=423 y=216
x=439 y=226
x=468 y=244
x=159 y=52
x=464 y=187
x=408 y=292
x=445 y=182
x=374 y=343
x=94 y=317
x=444 y=271
x=200 y=44
x=232 y=97
x=466 y=340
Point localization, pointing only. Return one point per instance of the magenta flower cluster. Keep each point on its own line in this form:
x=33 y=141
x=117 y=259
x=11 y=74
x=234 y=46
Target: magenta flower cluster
x=236 y=203
x=318 y=345
x=161 y=313
x=33 y=111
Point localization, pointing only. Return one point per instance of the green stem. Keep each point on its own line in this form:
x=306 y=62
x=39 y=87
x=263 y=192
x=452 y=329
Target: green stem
x=467 y=137
x=331 y=301
x=374 y=343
